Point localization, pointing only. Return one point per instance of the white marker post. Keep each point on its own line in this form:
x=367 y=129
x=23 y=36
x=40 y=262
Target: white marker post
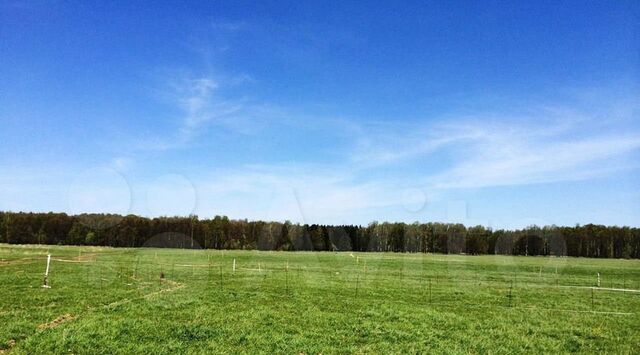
x=234 y=265
x=598 y=279
x=46 y=273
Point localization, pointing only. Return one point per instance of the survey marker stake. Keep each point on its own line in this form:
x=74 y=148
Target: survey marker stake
x=46 y=273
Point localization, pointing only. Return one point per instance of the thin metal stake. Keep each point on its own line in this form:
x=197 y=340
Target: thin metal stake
x=286 y=272
x=510 y=294
x=220 y=277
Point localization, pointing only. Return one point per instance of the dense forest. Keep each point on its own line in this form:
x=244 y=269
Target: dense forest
x=222 y=233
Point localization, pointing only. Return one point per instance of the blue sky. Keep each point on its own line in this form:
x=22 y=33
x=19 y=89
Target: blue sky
x=503 y=114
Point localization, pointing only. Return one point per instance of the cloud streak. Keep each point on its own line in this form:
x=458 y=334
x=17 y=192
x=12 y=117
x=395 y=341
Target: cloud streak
x=486 y=150
x=510 y=160
x=202 y=103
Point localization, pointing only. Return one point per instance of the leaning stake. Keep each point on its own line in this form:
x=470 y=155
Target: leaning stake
x=46 y=273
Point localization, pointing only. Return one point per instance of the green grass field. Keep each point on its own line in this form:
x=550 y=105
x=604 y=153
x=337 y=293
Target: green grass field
x=105 y=300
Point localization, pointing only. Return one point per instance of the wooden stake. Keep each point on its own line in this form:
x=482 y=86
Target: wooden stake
x=46 y=273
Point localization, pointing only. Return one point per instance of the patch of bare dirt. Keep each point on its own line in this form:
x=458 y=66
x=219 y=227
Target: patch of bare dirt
x=56 y=322
x=84 y=258
x=174 y=286
x=10 y=344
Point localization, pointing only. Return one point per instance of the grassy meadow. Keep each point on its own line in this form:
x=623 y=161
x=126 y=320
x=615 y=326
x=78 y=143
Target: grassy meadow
x=122 y=301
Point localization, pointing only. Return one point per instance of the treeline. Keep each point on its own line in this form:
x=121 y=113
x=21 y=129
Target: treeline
x=222 y=233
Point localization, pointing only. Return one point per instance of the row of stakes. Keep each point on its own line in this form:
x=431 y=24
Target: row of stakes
x=162 y=276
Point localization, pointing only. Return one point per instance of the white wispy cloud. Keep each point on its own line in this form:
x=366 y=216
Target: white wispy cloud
x=203 y=102
x=385 y=144
x=552 y=144
x=482 y=155
x=200 y=105
x=504 y=158
x=371 y=182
